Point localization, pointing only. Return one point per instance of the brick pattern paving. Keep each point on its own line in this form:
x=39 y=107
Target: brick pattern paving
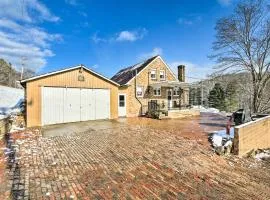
x=130 y=163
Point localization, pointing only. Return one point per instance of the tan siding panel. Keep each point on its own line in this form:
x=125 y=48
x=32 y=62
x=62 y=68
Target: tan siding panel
x=252 y=135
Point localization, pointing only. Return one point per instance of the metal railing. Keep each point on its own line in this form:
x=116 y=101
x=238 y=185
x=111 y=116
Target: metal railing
x=153 y=106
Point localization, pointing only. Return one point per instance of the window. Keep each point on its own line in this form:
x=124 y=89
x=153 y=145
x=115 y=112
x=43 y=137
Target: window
x=153 y=105
x=176 y=91
x=153 y=74
x=139 y=91
x=162 y=75
x=122 y=101
x=157 y=91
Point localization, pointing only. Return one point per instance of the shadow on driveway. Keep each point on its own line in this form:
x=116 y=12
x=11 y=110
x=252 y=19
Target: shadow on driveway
x=191 y=128
x=80 y=127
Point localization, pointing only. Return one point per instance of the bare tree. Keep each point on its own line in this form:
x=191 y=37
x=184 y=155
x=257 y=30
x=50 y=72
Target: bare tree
x=9 y=75
x=243 y=44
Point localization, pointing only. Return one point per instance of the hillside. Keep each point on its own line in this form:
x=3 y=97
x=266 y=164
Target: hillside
x=199 y=91
x=11 y=100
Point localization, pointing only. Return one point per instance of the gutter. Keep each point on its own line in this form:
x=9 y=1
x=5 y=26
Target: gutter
x=136 y=93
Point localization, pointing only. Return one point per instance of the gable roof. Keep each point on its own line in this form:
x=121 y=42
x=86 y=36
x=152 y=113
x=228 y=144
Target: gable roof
x=69 y=69
x=124 y=76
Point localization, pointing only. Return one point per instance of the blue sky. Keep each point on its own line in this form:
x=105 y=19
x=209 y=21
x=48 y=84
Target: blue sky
x=107 y=35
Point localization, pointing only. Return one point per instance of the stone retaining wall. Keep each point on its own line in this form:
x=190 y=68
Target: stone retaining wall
x=183 y=113
x=4 y=127
x=252 y=135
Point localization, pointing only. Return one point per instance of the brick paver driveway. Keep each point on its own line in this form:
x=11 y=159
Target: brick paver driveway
x=137 y=161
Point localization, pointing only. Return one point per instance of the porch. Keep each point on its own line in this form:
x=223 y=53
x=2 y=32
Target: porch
x=168 y=99
x=160 y=111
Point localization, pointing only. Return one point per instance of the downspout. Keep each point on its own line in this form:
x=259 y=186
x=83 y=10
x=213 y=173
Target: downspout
x=136 y=92
x=25 y=102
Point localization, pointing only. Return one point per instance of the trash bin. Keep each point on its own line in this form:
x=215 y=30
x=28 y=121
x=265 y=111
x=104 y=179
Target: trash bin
x=239 y=117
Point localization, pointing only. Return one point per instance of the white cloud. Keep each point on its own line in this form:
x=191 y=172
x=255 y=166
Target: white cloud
x=21 y=37
x=27 y=11
x=95 y=66
x=156 y=51
x=72 y=2
x=97 y=39
x=17 y=41
x=126 y=36
x=82 y=13
x=194 y=72
x=190 y=20
x=84 y=24
x=123 y=36
x=224 y=2
x=131 y=36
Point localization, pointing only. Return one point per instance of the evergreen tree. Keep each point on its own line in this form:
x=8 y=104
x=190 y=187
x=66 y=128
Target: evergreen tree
x=216 y=97
x=192 y=96
x=198 y=96
x=231 y=96
x=195 y=96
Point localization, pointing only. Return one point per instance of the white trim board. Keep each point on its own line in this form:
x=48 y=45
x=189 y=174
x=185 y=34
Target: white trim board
x=69 y=69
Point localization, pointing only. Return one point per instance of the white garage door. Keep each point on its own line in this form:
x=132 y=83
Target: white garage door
x=62 y=105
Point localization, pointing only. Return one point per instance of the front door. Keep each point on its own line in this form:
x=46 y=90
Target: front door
x=169 y=98
x=122 y=105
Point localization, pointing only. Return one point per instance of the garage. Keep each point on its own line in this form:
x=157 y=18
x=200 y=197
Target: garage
x=70 y=95
x=63 y=105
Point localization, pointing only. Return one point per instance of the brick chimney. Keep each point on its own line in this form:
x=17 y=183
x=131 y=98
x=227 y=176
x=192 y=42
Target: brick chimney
x=181 y=73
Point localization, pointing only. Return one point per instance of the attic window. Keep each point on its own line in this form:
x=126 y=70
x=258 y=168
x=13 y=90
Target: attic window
x=162 y=75
x=153 y=74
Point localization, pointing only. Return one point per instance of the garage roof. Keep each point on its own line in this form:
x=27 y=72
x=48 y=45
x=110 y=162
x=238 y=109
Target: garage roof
x=69 y=69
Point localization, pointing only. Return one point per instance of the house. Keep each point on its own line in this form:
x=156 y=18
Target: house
x=80 y=94
x=151 y=83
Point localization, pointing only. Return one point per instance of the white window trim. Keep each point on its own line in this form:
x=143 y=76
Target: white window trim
x=155 y=74
x=137 y=91
x=124 y=99
x=159 y=92
x=176 y=92
x=162 y=79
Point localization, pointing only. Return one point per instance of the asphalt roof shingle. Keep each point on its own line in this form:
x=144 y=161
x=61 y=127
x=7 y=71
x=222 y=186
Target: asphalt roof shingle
x=125 y=75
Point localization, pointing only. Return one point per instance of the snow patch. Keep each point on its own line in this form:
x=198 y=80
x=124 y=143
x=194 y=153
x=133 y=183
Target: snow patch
x=228 y=143
x=207 y=110
x=3 y=116
x=10 y=101
x=223 y=133
x=217 y=140
x=263 y=155
x=15 y=128
x=222 y=142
